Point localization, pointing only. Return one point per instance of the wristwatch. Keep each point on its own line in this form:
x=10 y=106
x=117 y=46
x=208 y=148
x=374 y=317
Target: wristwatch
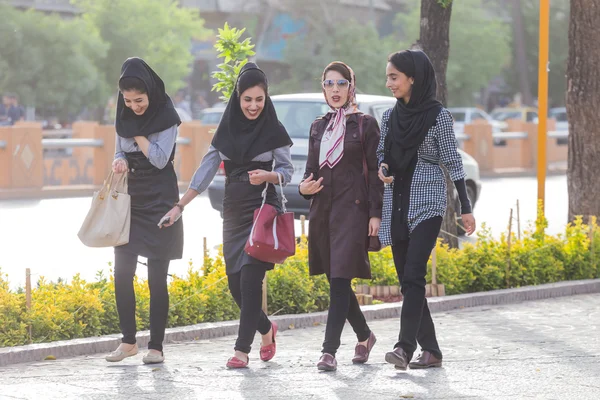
x=179 y=206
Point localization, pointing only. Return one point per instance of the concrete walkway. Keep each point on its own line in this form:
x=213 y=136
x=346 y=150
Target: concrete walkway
x=547 y=349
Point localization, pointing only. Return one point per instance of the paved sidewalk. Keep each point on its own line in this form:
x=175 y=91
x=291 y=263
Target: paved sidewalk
x=546 y=349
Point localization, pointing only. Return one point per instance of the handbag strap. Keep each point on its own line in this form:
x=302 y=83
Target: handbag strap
x=283 y=198
x=106 y=185
x=120 y=186
x=264 y=196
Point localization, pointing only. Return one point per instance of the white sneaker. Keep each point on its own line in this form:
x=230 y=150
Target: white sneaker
x=119 y=354
x=153 y=357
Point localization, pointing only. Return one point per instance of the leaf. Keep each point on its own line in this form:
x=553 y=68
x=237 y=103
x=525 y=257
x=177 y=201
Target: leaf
x=235 y=56
x=50 y=358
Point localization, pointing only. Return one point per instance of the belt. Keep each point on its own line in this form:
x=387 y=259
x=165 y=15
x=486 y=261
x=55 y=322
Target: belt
x=430 y=159
x=144 y=171
x=237 y=178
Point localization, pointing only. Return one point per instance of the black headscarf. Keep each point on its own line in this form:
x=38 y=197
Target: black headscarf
x=159 y=115
x=409 y=123
x=242 y=139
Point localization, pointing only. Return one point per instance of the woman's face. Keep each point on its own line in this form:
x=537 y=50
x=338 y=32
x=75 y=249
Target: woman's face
x=138 y=102
x=252 y=102
x=336 y=89
x=399 y=84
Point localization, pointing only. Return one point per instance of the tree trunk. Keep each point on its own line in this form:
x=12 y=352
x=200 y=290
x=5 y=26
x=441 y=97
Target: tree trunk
x=521 y=53
x=435 y=42
x=583 y=103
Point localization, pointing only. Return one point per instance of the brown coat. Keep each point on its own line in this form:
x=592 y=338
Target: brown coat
x=339 y=214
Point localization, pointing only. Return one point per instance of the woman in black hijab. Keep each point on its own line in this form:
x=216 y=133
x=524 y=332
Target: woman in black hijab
x=417 y=137
x=255 y=149
x=146 y=125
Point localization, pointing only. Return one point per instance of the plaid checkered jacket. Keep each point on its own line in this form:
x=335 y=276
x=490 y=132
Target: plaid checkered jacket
x=428 y=187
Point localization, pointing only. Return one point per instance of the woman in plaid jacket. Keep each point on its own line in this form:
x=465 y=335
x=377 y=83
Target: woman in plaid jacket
x=417 y=137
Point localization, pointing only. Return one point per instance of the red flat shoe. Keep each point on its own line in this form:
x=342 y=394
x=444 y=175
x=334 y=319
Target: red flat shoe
x=268 y=352
x=234 y=363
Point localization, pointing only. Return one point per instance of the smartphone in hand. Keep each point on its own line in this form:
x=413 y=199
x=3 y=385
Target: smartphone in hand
x=164 y=220
x=385 y=172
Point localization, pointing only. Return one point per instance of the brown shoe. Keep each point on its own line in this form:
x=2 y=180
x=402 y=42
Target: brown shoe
x=398 y=357
x=327 y=362
x=426 y=360
x=361 y=352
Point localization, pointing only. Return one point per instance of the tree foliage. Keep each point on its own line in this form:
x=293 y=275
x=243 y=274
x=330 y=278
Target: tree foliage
x=159 y=31
x=235 y=55
x=49 y=61
x=61 y=65
x=356 y=44
x=479 y=47
x=559 y=49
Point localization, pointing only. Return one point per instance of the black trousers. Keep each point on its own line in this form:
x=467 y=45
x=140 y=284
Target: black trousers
x=343 y=305
x=125 y=266
x=246 y=289
x=410 y=258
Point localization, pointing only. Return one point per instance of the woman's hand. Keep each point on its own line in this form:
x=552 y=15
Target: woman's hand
x=143 y=144
x=374 y=224
x=120 y=166
x=259 y=176
x=309 y=186
x=383 y=178
x=173 y=215
x=468 y=221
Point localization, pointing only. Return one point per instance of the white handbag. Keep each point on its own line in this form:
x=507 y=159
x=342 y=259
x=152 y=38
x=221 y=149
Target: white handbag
x=108 y=221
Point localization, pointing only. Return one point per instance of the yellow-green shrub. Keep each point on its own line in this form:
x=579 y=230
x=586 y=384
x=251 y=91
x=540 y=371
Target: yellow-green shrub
x=64 y=310
x=383 y=269
x=187 y=306
x=219 y=305
x=78 y=309
x=12 y=309
x=291 y=290
x=109 y=320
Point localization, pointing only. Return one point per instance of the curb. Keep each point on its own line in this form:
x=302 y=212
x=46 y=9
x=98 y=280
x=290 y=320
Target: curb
x=106 y=344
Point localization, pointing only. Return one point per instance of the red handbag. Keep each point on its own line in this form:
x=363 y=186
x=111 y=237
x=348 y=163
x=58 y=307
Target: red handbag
x=272 y=238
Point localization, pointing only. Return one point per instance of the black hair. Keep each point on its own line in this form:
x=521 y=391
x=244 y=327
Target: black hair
x=403 y=62
x=132 y=83
x=252 y=78
x=338 y=67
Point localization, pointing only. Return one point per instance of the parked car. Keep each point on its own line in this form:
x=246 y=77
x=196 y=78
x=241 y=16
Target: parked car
x=212 y=116
x=183 y=115
x=560 y=115
x=525 y=114
x=297 y=112
x=467 y=115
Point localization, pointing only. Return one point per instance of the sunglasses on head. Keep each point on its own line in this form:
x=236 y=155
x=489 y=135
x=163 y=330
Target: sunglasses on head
x=341 y=83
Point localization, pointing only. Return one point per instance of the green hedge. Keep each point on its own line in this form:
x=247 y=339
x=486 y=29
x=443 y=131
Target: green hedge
x=74 y=309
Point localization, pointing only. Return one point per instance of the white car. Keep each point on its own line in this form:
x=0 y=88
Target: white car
x=467 y=115
x=560 y=115
x=297 y=112
x=183 y=115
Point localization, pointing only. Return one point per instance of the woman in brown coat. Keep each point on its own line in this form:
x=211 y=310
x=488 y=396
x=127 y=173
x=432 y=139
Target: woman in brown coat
x=341 y=180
